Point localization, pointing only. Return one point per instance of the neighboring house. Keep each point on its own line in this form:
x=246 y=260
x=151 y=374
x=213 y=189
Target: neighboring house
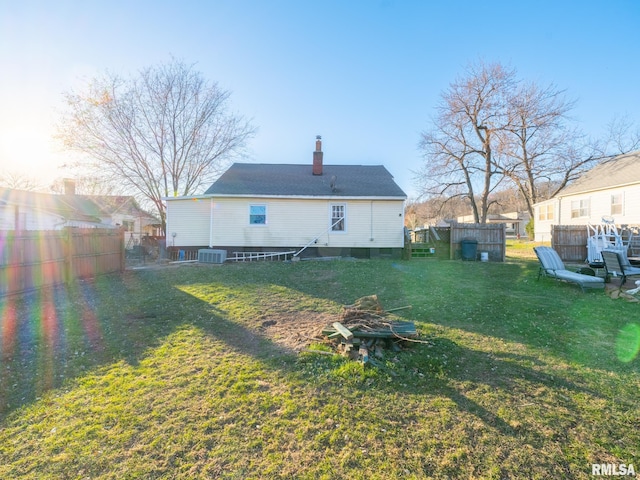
x=330 y=209
x=610 y=190
x=25 y=210
x=515 y=221
x=120 y=210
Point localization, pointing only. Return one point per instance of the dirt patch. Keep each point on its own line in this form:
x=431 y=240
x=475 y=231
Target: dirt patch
x=295 y=330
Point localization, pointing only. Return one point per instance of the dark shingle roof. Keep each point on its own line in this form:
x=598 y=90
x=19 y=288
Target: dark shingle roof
x=620 y=170
x=297 y=180
x=124 y=204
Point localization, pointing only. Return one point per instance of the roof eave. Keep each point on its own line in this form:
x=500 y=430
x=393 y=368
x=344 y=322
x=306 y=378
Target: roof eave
x=600 y=189
x=308 y=197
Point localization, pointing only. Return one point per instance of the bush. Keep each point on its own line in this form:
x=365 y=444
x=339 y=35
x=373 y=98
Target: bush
x=529 y=228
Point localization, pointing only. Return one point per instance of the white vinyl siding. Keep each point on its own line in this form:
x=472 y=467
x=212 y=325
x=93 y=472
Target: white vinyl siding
x=296 y=222
x=28 y=219
x=600 y=205
x=189 y=220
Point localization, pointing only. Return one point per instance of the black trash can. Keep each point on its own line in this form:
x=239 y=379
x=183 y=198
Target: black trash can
x=469 y=248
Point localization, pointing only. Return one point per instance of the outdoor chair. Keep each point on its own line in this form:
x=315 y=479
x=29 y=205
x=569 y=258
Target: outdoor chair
x=551 y=266
x=617 y=264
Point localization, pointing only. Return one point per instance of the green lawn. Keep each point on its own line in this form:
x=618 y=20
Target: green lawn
x=173 y=373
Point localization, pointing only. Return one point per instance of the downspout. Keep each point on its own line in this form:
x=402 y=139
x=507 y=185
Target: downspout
x=559 y=210
x=371 y=221
x=211 y=206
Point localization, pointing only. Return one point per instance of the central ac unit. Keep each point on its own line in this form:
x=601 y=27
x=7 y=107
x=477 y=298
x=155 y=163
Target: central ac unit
x=207 y=255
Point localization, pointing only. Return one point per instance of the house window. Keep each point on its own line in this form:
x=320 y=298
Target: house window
x=128 y=225
x=258 y=214
x=546 y=212
x=338 y=218
x=580 y=208
x=616 y=204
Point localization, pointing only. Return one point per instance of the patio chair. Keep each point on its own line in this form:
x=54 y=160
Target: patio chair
x=618 y=265
x=551 y=266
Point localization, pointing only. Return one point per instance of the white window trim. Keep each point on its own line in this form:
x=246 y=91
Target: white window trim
x=344 y=218
x=581 y=208
x=546 y=213
x=621 y=194
x=266 y=215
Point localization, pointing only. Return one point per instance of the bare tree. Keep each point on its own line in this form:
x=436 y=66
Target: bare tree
x=495 y=131
x=166 y=132
x=18 y=181
x=459 y=150
x=623 y=136
x=538 y=146
x=86 y=186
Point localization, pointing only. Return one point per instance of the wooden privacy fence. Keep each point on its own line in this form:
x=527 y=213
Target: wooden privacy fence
x=491 y=238
x=35 y=259
x=570 y=241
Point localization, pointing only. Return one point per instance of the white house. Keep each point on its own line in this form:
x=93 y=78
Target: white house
x=123 y=211
x=25 y=210
x=610 y=190
x=329 y=209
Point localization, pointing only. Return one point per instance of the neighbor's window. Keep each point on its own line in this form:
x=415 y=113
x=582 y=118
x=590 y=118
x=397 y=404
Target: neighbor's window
x=580 y=208
x=258 y=214
x=616 y=204
x=545 y=212
x=337 y=218
x=128 y=225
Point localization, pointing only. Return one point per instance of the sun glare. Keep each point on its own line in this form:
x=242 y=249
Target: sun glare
x=29 y=153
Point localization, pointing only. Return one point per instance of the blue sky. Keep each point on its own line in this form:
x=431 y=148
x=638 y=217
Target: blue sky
x=366 y=75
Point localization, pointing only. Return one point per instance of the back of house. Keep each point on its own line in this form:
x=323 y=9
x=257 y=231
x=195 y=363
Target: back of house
x=327 y=210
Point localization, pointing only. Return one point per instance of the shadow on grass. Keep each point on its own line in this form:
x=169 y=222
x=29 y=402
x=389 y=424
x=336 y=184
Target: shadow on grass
x=51 y=337
x=507 y=301
x=511 y=381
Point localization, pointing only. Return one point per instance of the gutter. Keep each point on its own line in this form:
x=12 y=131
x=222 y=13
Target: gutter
x=306 y=197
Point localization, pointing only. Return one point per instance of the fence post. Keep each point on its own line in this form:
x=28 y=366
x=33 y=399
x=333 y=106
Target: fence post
x=68 y=255
x=451 y=236
x=122 y=250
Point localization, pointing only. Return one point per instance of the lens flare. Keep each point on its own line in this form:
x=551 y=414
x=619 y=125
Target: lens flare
x=628 y=342
x=9 y=328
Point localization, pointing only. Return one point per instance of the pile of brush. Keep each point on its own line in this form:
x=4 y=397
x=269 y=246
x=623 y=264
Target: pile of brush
x=364 y=328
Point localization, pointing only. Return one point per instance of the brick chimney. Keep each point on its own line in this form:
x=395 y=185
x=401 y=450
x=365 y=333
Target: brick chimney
x=69 y=186
x=317 y=157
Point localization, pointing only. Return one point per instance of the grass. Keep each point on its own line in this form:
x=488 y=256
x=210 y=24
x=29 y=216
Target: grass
x=169 y=374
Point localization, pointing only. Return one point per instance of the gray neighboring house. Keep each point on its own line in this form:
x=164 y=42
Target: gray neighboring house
x=610 y=190
x=330 y=209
